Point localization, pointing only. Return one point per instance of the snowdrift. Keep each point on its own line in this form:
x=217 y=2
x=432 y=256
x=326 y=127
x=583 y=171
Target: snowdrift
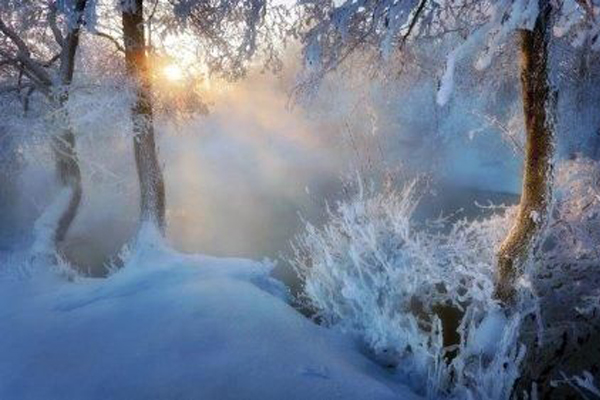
x=172 y=326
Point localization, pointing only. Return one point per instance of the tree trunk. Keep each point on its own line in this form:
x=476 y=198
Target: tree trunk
x=69 y=175
x=67 y=164
x=152 y=188
x=538 y=106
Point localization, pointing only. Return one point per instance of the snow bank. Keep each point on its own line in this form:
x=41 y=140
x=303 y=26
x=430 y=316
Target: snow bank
x=172 y=326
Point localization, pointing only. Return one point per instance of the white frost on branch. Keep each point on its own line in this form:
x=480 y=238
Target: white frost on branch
x=535 y=216
x=583 y=384
x=232 y=32
x=507 y=17
x=372 y=272
x=580 y=22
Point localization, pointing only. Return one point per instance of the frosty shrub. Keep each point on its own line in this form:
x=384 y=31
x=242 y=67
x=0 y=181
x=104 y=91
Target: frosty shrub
x=419 y=297
x=394 y=285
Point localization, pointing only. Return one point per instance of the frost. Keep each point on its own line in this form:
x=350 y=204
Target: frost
x=231 y=32
x=68 y=9
x=373 y=273
x=578 y=20
x=535 y=216
x=507 y=17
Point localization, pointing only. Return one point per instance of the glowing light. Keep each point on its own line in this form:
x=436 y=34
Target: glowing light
x=173 y=72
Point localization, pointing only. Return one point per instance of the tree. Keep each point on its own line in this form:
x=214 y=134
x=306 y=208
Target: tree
x=228 y=30
x=331 y=31
x=535 y=20
x=335 y=30
x=34 y=75
x=152 y=187
x=539 y=104
x=232 y=33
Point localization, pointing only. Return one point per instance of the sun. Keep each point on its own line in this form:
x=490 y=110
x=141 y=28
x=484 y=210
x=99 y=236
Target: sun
x=173 y=72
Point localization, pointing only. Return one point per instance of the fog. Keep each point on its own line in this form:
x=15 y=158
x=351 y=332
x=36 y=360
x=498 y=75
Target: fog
x=241 y=180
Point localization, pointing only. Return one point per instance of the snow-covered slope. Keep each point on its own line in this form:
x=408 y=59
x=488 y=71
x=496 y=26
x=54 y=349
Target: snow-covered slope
x=170 y=326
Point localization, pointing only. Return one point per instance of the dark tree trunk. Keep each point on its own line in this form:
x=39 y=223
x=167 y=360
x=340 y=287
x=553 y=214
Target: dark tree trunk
x=538 y=106
x=69 y=175
x=67 y=164
x=152 y=188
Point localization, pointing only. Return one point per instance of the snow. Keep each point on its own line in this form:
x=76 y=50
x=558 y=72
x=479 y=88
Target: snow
x=488 y=335
x=173 y=326
x=46 y=224
x=535 y=216
x=447 y=81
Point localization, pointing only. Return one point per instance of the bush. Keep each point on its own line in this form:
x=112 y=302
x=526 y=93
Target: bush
x=420 y=297
x=394 y=285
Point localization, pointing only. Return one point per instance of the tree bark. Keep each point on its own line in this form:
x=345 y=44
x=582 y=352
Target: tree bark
x=67 y=163
x=152 y=188
x=69 y=175
x=538 y=106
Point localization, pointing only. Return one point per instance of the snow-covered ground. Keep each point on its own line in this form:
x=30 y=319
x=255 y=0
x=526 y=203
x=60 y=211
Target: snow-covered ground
x=172 y=326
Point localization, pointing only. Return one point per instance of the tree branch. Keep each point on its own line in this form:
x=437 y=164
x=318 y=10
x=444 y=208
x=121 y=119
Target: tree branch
x=112 y=39
x=25 y=99
x=24 y=55
x=54 y=26
x=413 y=22
x=588 y=7
x=51 y=61
x=41 y=86
x=70 y=44
x=6 y=61
x=14 y=38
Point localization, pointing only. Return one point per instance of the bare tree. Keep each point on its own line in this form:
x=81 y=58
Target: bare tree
x=232 y=32
x=34 y=74
x=338 y=29
x=152 y=187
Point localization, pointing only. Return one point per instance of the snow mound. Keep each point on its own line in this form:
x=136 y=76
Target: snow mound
x=173 y=326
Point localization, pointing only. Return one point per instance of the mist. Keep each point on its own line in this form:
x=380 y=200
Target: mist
x=242 y=179
x=266 y=199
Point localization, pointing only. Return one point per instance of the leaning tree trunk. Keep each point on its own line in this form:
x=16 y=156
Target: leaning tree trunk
x=67 y=163
x=538 y=107
x=69 y=175
x=152 y=188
